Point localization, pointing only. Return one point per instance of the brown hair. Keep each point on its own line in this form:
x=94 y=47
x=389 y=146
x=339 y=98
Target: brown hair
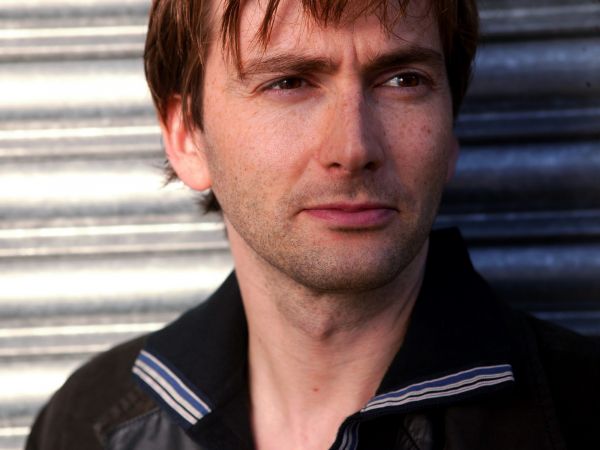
x=179 y=33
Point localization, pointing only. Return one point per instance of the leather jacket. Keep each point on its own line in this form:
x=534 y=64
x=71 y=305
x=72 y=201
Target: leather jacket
x=471 y=374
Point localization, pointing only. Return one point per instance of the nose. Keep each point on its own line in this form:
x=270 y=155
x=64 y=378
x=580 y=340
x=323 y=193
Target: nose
x=352 y=143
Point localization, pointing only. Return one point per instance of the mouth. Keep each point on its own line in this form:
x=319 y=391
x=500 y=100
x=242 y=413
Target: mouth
x=352 y=215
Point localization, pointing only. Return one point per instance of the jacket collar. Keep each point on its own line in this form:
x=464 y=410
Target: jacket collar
x=455 y=347
x=198 y=363
x=457 y=344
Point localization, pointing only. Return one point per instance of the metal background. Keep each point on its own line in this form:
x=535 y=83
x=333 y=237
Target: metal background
x=93 y=250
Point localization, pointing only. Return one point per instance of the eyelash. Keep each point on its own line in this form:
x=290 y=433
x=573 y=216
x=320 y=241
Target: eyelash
x=418 y=78
x=277 y=85
x=298 y=82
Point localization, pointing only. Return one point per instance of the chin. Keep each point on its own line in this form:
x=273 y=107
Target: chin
x=351 y=273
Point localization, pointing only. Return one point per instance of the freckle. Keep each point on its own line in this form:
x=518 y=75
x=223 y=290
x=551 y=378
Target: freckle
x=315 y=389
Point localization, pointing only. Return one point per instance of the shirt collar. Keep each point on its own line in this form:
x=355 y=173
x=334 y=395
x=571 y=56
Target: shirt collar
x=456 y=346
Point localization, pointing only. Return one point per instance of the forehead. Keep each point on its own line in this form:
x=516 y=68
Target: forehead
x=370 y=27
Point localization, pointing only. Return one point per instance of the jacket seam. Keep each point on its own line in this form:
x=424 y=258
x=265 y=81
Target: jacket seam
x=130 y=422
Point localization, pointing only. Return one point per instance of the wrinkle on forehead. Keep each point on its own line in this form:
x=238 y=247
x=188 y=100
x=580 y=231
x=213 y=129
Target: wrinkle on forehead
x=293 y=20
x=259 y=22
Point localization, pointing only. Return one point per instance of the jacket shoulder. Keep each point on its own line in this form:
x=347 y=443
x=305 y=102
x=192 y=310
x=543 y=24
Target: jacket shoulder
x=78 y=413
x=565 y=354
x=572 y=366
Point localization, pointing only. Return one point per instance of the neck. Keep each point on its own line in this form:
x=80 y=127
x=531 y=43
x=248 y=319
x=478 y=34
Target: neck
x=314 y=357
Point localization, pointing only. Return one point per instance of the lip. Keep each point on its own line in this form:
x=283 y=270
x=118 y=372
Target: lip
x=352 y=215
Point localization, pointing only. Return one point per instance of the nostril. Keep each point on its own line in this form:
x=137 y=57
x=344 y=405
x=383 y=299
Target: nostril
x=370 y=166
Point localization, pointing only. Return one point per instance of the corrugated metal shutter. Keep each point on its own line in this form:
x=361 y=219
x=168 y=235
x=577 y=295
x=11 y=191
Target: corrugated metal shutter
x=527 y=191
x=93 y=250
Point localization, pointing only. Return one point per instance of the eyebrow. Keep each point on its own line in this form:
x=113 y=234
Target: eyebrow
x=406 y=56
x=286 y=63
x=290 y=63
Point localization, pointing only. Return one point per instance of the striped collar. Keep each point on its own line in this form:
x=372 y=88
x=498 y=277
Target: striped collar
x=452 y=385
x=455 y=348
x=173 y=393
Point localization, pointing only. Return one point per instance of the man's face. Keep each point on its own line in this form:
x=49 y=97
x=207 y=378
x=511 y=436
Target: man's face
x=329 y=154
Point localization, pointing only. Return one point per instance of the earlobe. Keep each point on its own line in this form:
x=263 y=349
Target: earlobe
x=184 y=148
x=452 y=158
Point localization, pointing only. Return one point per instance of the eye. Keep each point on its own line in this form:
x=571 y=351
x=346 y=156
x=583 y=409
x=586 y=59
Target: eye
x=405 y=80
x=288 y=83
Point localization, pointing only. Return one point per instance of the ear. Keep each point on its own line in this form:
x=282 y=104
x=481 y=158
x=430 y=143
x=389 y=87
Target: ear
x=185 y=148
x=452 y=158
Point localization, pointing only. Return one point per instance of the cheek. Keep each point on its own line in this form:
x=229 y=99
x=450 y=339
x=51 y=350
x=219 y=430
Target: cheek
x=253 y=161
x=263 y=145
x=421 y=150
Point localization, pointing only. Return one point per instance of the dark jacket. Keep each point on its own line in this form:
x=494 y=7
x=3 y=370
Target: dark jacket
x=471 y=374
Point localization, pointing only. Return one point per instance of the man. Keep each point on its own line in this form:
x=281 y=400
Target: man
x=324 y=131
